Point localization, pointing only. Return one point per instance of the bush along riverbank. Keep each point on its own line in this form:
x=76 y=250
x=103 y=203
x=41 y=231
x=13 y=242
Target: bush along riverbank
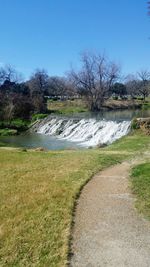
x=13 y=127
x=17 y=126
x=141 y=123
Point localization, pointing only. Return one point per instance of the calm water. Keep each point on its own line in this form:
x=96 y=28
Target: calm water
x=53 y=143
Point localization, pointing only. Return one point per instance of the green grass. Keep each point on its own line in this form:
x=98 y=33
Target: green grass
x=38 y=194
x=140 y=179
x=66 y=107
x=37 y=197
x=136 y=141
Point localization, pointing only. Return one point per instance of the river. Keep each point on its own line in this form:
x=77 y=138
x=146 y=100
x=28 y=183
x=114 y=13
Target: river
x=78 y=131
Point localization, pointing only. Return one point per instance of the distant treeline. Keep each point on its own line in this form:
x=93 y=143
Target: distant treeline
x=97 y=80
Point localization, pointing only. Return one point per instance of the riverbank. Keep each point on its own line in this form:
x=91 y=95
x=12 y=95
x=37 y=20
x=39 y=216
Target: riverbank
x=13 y=127
x=67 y=107
x=112 y=104
x=46 y=186
x=18 y=126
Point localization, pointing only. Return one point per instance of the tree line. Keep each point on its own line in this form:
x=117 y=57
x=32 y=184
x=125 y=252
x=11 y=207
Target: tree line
x=19 y=99
x=97 y=80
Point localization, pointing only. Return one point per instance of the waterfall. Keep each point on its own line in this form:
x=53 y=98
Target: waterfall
x=87 y=132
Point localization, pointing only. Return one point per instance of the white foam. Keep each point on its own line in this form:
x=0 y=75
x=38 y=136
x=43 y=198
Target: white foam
x=87 y=132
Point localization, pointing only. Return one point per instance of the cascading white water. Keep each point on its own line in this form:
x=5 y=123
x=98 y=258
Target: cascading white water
x=87 y=132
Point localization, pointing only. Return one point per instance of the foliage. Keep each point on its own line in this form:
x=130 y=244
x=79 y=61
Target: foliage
x=119 y=89
x=140 y=178
x=7 y=132
x=38 y=116
x=13 y=127
x=17 y=124
x=135 y=124
x=115 y=97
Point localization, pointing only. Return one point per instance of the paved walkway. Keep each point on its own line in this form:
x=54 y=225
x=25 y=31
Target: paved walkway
x=108 y=231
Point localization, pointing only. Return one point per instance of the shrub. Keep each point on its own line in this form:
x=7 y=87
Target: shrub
x=135 y=125
x=7 y=132
x=17 y=124
x=38 y=116
x=140 y=98
x=115 y=97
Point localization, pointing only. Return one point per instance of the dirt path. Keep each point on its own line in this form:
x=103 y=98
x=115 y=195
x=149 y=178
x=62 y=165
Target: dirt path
x=108 y=230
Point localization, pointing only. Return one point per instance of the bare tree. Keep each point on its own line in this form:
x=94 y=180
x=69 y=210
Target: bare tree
x=57 y=86
x=9 y=110
x=132 y=85
x=9 y=74
x=60 y=87
x=38 y=85
x=38 y=82
x=144 y=88
x=95 y=79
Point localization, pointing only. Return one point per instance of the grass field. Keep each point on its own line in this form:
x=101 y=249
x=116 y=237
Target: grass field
x=37 y=195
x=140 y=178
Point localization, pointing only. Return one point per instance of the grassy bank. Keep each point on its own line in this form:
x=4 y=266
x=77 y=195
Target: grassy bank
x=135 y=142
x=37 y=195
x=66 y=107
x=78 y=105
x=140 y=179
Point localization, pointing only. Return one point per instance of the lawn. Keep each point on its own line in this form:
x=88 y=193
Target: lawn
x=37 y=194
x=140 y=179
x=134 y=142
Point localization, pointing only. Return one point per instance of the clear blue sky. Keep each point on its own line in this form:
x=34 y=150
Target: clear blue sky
x=51 y=34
